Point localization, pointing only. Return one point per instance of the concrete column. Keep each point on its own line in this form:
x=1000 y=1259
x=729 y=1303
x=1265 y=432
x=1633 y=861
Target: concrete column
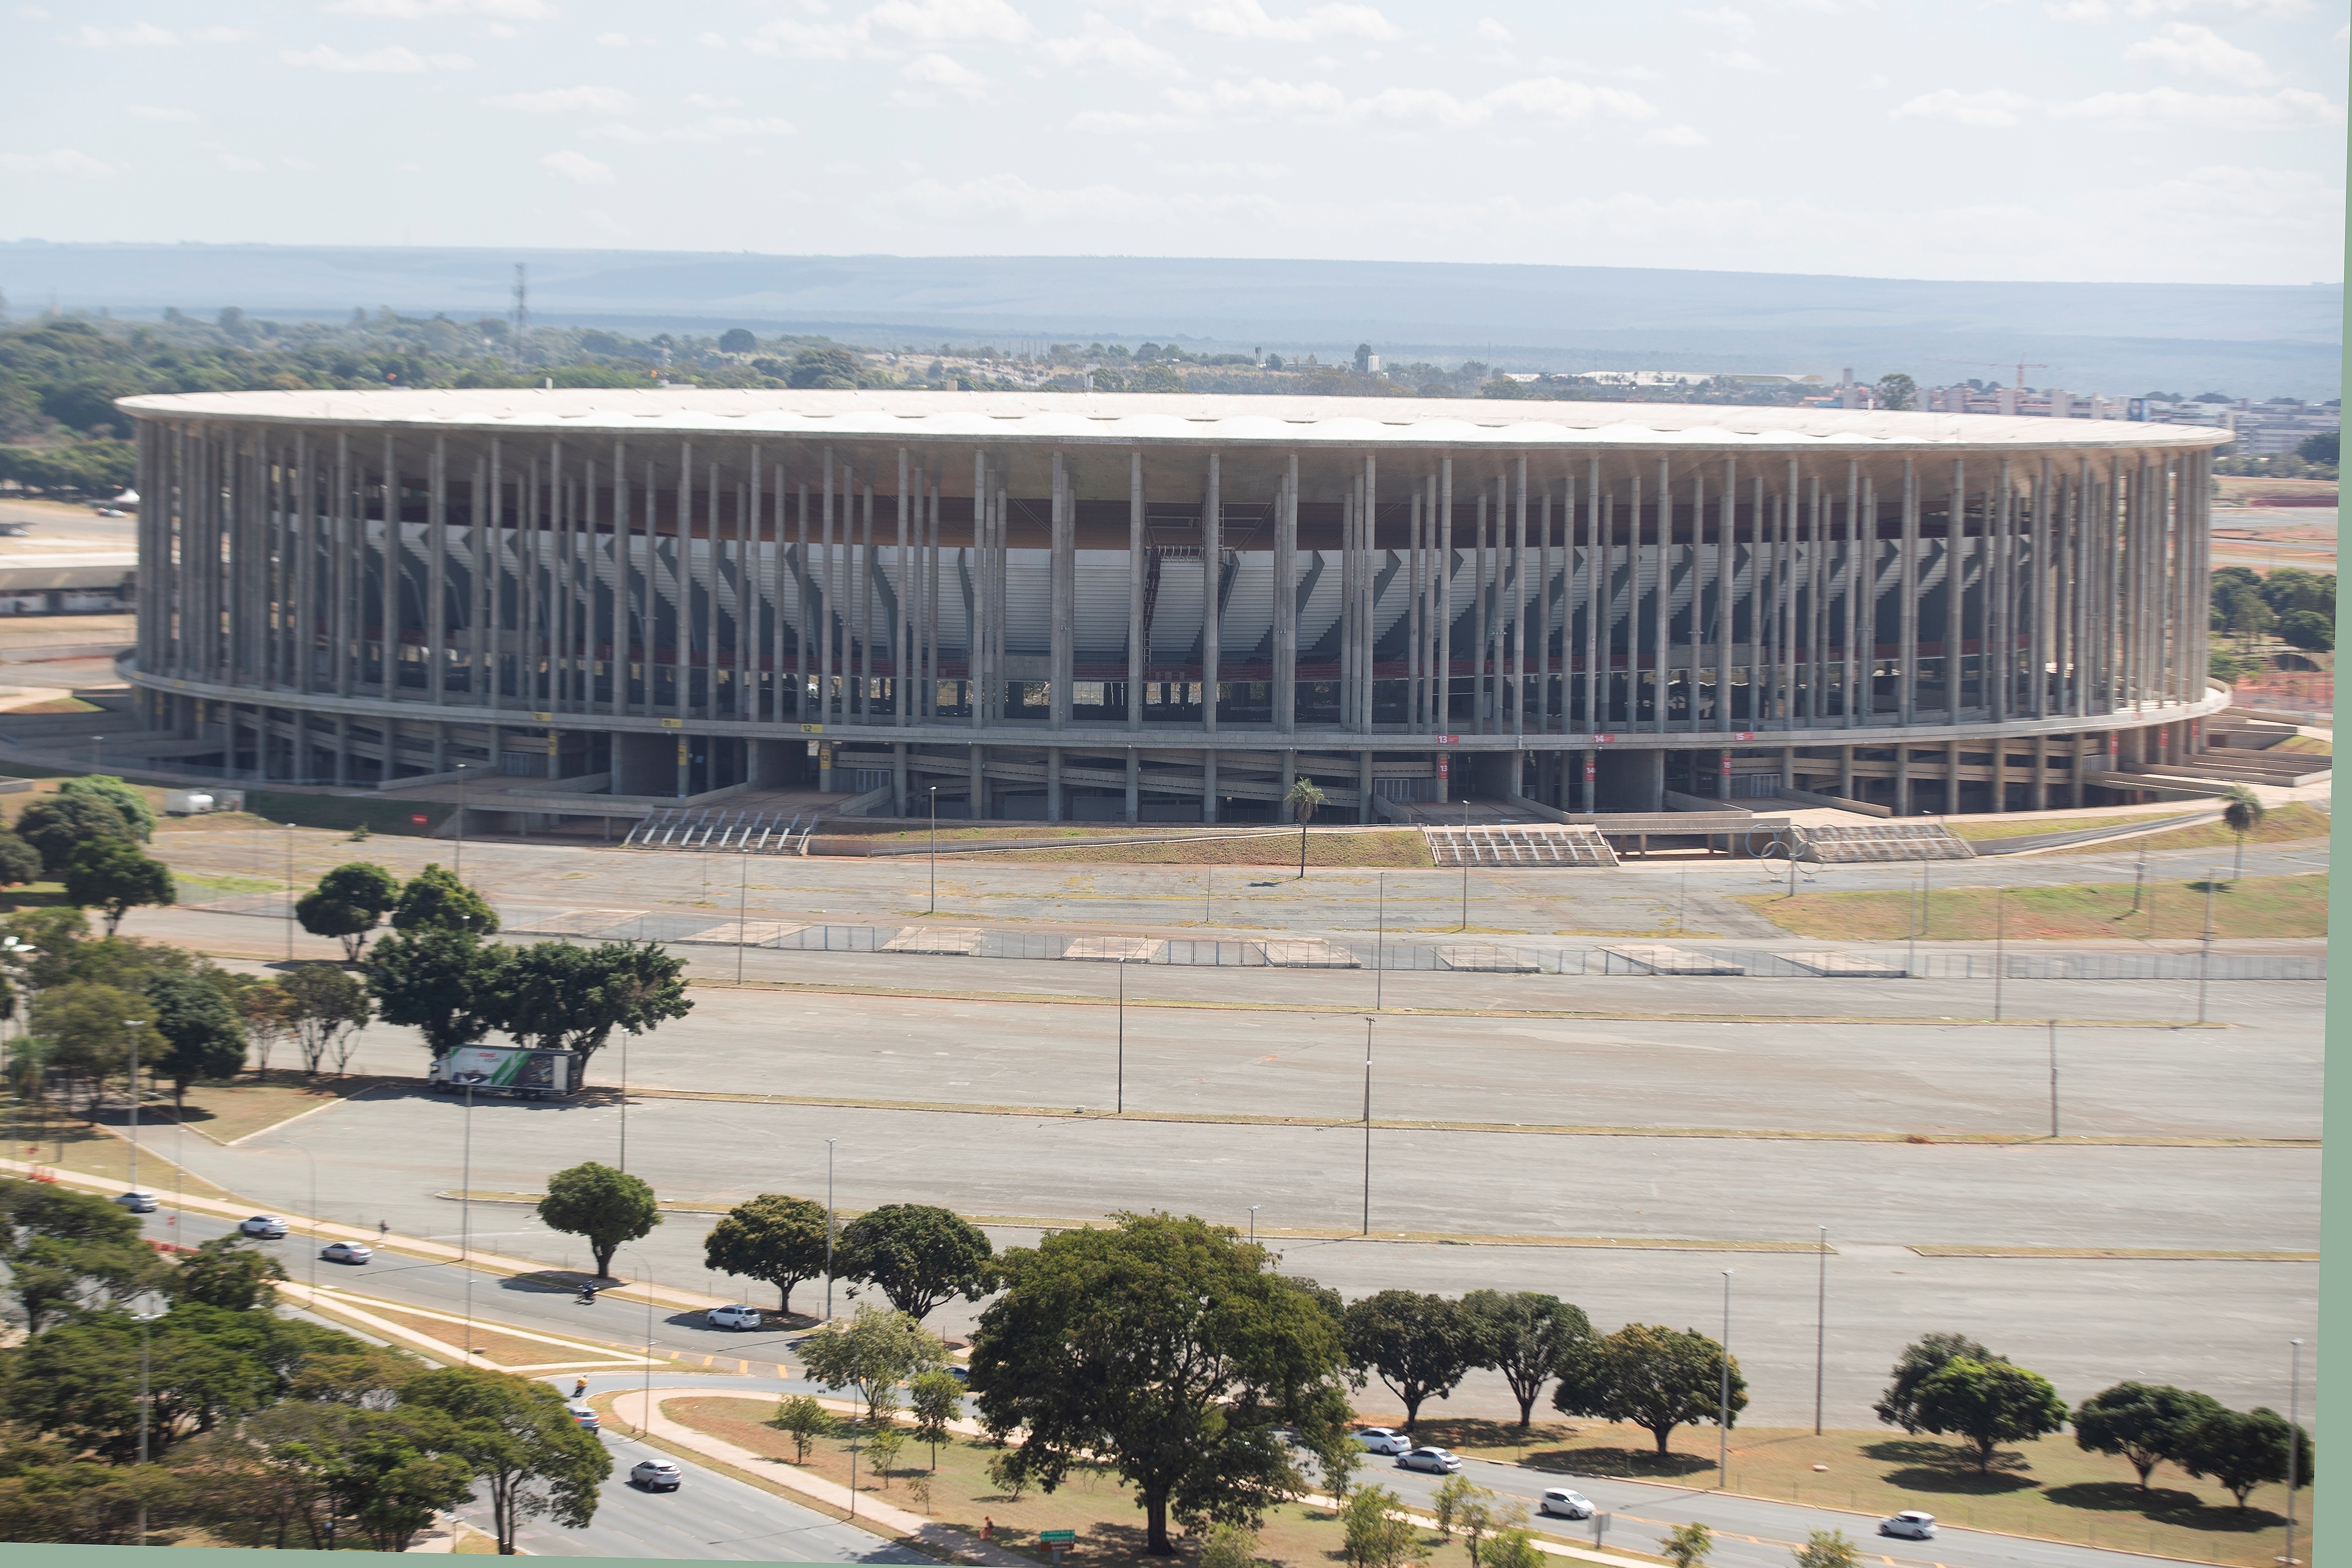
x=1285 y=602
x=1137 y=548
x=1661 y=659
x=898 y=778
x=1209 y=785
x=978 y=784
x=1480 y=697
x=1788 y=766
x=1368 y=621
x=343 y=751
x=868 y=607
x=1053 y=783
x=1065 y=567
x=1902 y=778
x=1363 y=786
x=1442 y=634
x=1134 y=783
x=1908 y=688
x=1845 y=772
x=440 y=745
x=1212 y=548
x=2000 y=774
x=1592 y=771
x=2040 y=799
x=1951 y=777
x=2081 y=747
x=827 y=595
x=1414 y=604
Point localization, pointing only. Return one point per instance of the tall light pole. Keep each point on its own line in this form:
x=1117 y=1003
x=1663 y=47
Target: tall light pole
x=1999 y=946
x=1120 y=1105
x=465 y=1219
x=2053 y=1078
x=290 y=893
x=1723 y=1398
x=135 y=1026
x=624 y=1105
x=1367 y=1126
x=1381 y=945
x=646 y=1282
x=742 y=912
x=2205 y=960
x=828 y=1227
x=1820 y=1330
x=934 y=909
x=2294 y=1440
x=1462 y=853
x=145 y=1318
x=461 y=821
x=314 y=1220
x=1252 y=1225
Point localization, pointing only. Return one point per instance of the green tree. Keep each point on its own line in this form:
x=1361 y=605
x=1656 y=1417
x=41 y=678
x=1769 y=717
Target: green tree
x=349 y=902
x=1897 y=391
x=773 y=1238
x=874 y=1353
x=558 y=996
x=1686 y=1545
x=1445 y=1502
x=604 y=1205
x=827 y=369
x=1989 y=1403
x=325 y=1008
x=1922 y=1359
x=136 y=813
x=70 y=1252
x=20 y=863
x=2144 y=1423
x=203 y=1035
x=1228 y=1546
x=882 y=1450
x=2242 y=1449
x=436 y=982
x=1329 y=1434
x=917 y=1254
x=2241 y=813
x=1165 y=1348
x=1419 y=1345
x=2322 y=447
x=1654 y=1377
x=57 y=825
x=2308 y=630
x=1373 y=1529
x=222 y=1272
x=113 y=876
x=1528 y=1337
x=804 y=1420
x=80 y=1380
x=934 y=1399
x=1305 y=798
x=516 y=1439
x=434 y=900
x=1827 y=1549
x=89 y=1032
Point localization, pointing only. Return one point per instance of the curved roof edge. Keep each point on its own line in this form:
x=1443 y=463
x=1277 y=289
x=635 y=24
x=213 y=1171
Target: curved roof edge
x=1160 y=419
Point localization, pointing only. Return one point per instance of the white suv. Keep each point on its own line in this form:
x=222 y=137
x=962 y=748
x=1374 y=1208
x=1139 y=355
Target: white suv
x=732 y=1317
x=1382 y=1439
x=1911 y=1524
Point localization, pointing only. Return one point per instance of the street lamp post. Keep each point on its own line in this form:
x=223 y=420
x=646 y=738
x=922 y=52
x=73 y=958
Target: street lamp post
x=1821 y=1328
x=624 y=1105
x=314 y=1220
x=465 y=1218
x=1462 y=853
x=145 y=1318
x=2053 y=1078
x=2294 y=1441
x=742 y=912
x=135 y=1026
x=646 y=1282
x=1252 y=1225
x=461 y=821
x=934 y=909
x=290 y=893
x=1367 y=1126
x=1120 y=1105
x=1723 y=1398
x=829 y=1142
x=2205 y=960
x=1381 y=945
x=1999 y=946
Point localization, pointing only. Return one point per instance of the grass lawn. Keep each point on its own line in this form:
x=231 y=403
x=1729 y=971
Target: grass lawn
x=1402 y=848
x=2283 y=825
x=51 y=1133
x=2049 y=1488
x=2257 y=907
x=228 y=1111
x=2306 y=746
x=1099 y=1507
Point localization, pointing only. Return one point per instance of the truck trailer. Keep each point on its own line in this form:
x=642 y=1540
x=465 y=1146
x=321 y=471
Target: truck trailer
x=505 y=1069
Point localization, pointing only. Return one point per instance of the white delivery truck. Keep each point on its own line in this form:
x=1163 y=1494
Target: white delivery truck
x=505 y=1069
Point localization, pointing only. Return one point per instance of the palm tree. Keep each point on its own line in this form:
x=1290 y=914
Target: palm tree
x=2241 y=814
x=1305 y=798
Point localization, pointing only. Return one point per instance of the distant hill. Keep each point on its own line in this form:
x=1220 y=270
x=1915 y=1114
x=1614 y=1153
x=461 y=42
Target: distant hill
x=2256 y=340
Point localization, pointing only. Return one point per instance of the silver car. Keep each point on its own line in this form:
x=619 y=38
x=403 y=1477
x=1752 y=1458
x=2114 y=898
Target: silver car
x=1382 y=1439
x=268 y=1226
x=1564 y=1504
x=656 y=1475
x=1435 y=1460
x=346 y=1252
x=1910 y=1524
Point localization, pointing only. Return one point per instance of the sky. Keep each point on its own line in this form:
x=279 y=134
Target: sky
x=2167 y=141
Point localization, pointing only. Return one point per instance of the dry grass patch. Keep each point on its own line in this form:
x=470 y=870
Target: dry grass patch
x=230 y=1110
x=48 y=1134
x=2255 y=906
x=1401 y=848
x=2049 y=1488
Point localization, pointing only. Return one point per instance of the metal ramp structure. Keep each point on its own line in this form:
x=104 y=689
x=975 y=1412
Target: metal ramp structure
x=1518 y=844
x=1867 y=842
x=716 y=829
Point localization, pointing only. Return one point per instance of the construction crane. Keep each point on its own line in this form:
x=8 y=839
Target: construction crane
x=2021 y=366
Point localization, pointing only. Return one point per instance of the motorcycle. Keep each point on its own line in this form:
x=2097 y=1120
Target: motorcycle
x=587 y=1297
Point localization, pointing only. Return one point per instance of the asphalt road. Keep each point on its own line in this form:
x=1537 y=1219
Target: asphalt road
x=729 y=1519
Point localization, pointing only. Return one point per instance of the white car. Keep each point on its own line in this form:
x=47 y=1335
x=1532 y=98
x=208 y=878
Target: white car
x=656 y=1475
x=1566 y=1504
x=1435 y=1460
x=346 y=1252
x=1910 y=1524
x=137 y=1201
x=1382 y=1439
x=732 y=1317
x=268 y=1226
x=584 y=1415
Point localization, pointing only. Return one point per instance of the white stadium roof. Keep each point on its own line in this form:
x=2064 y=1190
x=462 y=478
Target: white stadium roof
x=1162 y=420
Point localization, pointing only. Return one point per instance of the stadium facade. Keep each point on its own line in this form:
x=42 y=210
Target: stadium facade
x=1165 y=608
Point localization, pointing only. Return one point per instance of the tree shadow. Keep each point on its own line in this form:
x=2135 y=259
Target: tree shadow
x=2124 y=1497
x=1633 y=1464
x=1946 y=1467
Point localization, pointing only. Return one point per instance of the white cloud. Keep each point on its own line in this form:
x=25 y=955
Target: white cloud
x=154 y=112
x=236 y=165
x=1540 y=98
x=1491 y=30
x=2219 y=111
x=2095 y=11
x=1730 y=22
x=1248 y=19
x=1676 y=136
x=2192 y=50
x=950 y=21
x=137 y=36
x=61 y=160
x=1221 y=170
x=704 y=100
x=1737 y=60
x=413 y=10
x=567 y=101
x=392 y=60
x=577 y=167
x=937 y=70
x=1994 y=105
x=223 y=36
x=622 y=41
x=1120 y=123
x=33 y=12
x=710 y=40
x=299 y=165
x=1099 y=42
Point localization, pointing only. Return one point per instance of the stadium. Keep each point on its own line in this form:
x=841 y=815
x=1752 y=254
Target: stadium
x=1149 y=609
